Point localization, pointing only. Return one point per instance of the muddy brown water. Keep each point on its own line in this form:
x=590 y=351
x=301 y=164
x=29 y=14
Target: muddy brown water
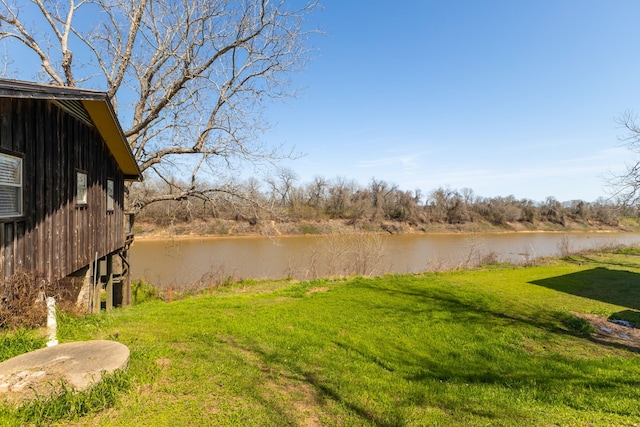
x=187 y=261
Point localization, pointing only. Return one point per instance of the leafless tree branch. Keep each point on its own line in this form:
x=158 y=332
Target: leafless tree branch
x=189 y=78
x=625 y=187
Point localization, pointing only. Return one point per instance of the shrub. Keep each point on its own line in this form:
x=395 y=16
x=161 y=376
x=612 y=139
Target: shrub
x=632 y=250
x=142 y=291
x=309 y=229
x=490 y=258
x=21 y=301
x=577 y=324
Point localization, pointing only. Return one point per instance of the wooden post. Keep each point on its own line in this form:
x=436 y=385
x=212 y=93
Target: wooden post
x=118 y=279
x=126 y=285
x=109 y=287
x=97 y=286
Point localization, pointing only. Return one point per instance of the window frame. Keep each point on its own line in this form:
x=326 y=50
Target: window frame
x=20 y=186
x=85 y=200
x=111 y=201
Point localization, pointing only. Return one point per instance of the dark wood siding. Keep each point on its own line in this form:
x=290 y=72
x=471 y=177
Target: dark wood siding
x=55 y=236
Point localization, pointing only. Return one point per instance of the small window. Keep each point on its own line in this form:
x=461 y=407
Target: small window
x=10 y=186
x=81 y=187
x=109 y=195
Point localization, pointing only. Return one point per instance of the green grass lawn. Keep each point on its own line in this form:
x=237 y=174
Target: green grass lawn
x=482 y=347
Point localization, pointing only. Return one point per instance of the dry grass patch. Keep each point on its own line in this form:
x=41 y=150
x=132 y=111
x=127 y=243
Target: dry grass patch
x=608 y=332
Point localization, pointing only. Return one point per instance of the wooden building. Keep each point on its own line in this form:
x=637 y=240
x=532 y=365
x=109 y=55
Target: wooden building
x=64 y=161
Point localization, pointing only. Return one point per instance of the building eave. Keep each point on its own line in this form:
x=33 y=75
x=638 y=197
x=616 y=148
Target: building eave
x=105 y=120
x=99 y=109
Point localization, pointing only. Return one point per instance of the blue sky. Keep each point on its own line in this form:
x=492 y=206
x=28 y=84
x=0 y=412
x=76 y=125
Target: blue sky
x=506 y=97
x=501 y=96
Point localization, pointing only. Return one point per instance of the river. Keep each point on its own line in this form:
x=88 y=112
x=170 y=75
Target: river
x=190 y=262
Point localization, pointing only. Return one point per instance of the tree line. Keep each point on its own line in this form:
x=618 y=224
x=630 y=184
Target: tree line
x=281 y=197
x=191 y=84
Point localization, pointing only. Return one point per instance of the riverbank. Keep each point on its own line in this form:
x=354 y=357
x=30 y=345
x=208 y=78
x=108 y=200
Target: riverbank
x=492 y=346
x=198 y=228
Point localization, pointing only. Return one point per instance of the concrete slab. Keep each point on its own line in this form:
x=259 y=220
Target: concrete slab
x=42 y=372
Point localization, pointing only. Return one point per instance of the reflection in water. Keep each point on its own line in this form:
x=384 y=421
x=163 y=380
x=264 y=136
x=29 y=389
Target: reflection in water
x=187 y=261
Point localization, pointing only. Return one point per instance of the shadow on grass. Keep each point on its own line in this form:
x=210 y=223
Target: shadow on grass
x=626 y=261
x=431 y=344
x=329 y=391
x=323 y=390
x=499 y=365
x=617 y=287
x=602 y=284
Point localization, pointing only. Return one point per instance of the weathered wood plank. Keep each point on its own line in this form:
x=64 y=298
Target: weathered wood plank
x=48 y=139
x=6 y=125
x=37 y=172
x=63 y=198
x=2 y=249
x=19 y=246
x=56 y=194
x=22 y=144
x=57 y=237
x=8 y=249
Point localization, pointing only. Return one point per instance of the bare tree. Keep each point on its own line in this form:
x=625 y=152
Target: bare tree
x=317 y=192
x=378 y=191
x=341 y=193
x=625 y=188
x=189 y=77
x=281 y=186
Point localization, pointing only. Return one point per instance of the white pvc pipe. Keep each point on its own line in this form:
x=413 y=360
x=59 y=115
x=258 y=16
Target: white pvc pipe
x=52 y=324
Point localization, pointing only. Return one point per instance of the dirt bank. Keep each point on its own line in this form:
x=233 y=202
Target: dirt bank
x=145 y=229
